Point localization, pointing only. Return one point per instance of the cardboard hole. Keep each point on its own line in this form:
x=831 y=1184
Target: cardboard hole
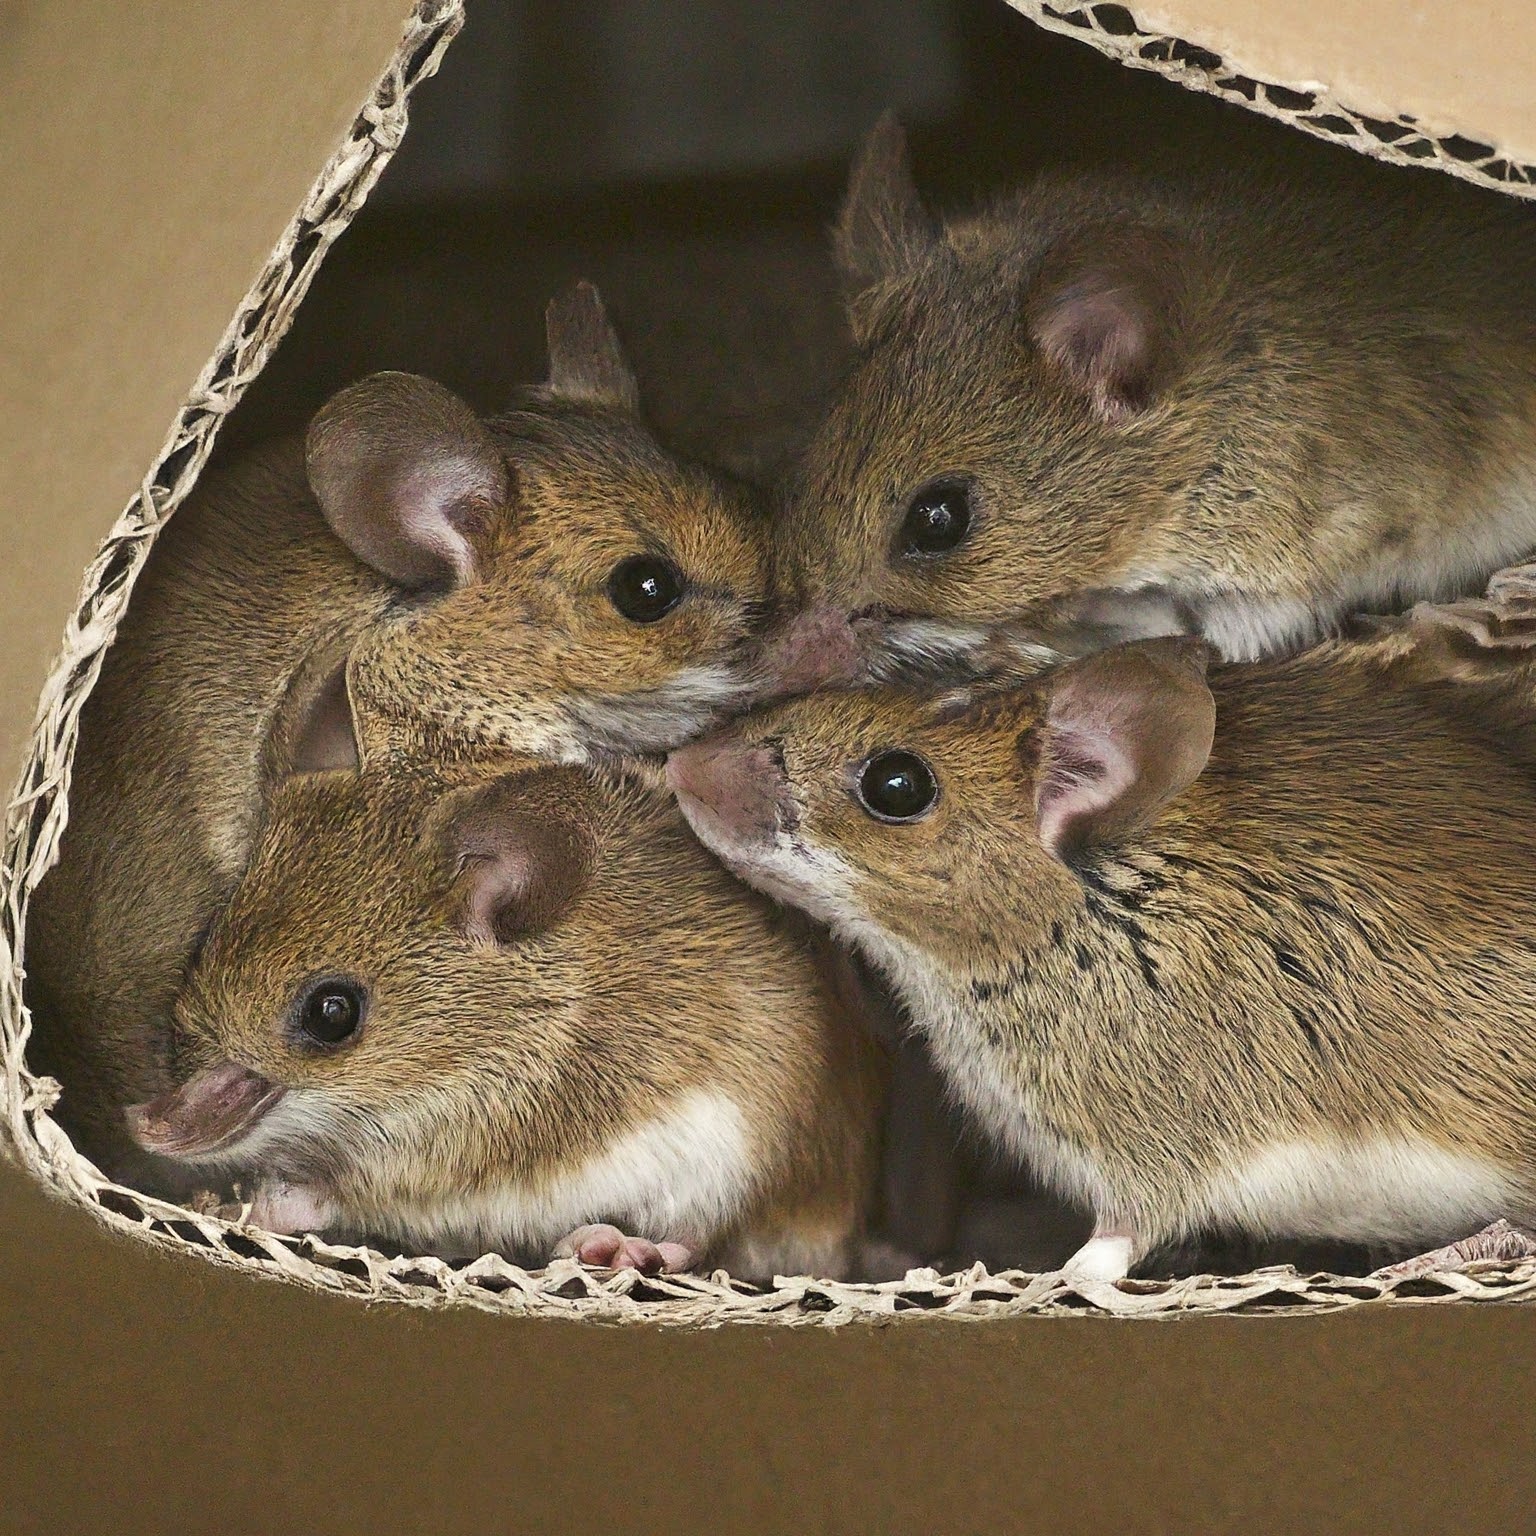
x=495 y=1284
x=1462 y=148
x=1115 y=20
x=173 y=466
x=246 y=1248
x=1291 y=101
x=120 y=1204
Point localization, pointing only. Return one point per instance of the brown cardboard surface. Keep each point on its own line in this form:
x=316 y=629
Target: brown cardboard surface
x=149 y=1393
x=150 y=156
x=1459 y=69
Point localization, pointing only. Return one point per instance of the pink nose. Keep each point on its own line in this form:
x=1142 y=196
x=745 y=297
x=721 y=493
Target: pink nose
x=733 y=793
x=209 y=1111
x=816 y=649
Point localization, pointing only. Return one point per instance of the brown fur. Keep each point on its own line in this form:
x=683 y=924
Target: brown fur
x=1232 y=406
x=1324 y=938
x=245 y=586
x=626 y=969
x=534 y=654
x=251 y=603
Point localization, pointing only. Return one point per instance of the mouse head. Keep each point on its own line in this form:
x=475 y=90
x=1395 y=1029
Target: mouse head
x=1002 y=449
x=394 y=983
x=570 y=583
x=949 y=824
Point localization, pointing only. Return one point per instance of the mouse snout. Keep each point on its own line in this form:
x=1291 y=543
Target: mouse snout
x=817 y=648
x=208 y=1112
x=733 y=792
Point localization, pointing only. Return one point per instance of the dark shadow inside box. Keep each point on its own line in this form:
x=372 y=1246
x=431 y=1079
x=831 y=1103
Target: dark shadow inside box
x=713 y=257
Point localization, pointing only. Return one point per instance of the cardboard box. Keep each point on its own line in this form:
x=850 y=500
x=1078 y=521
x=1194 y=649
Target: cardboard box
x=163 y=220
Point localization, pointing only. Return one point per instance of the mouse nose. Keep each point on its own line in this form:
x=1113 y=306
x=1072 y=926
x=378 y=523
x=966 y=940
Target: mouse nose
x=817 y=648
x=205 y=1114
x=734 y=793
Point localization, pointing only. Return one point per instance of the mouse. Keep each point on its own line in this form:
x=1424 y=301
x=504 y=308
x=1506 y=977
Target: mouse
x=1236 y=949
x=480 y=1002
x=551 y=579
x=1121 y=404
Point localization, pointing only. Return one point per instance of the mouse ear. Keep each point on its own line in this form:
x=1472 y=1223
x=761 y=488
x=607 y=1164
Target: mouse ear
x=1125 y=731
x=1105 y=313
x=407 y=476
x=323 y=738
x=586 y=362
x=313 y=730
x=882 y=230
x=520 y=854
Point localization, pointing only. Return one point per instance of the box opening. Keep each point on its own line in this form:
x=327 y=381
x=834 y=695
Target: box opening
x=548 y=150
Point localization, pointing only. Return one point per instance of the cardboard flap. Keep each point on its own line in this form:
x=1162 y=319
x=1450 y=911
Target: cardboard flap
x=151 y=157
x=1440 y=85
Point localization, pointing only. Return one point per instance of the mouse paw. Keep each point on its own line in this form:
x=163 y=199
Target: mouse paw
x=1514 y=587
x=605 y=1247
x=1502 y=1241
x=288 y=1209
x=1106 y=1256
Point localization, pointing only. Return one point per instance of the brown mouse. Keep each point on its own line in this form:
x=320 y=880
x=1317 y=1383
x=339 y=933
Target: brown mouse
x=478 y=1002
x=549 y=579
x=1118 y=406
x=1249 y=953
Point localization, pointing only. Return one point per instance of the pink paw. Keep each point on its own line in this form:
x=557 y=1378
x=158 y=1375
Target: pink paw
x=1503 y=1242
x=606 y=1247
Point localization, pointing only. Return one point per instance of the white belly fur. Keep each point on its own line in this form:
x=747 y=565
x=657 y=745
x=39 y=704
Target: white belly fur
x=1386 y=1189
x=683 y=1177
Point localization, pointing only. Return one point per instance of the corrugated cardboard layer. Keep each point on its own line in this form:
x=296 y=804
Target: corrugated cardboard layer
x=1317 y=84
x=1456 y=68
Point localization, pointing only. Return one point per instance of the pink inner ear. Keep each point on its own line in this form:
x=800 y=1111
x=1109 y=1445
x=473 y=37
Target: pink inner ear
x=497 y=882
x=324 y=739
x=443 y=505
x=1085 y=773
x=1098 y=332
x=406 y=475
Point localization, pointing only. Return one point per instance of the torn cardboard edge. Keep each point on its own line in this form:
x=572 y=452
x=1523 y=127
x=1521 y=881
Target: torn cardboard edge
x=1307 y=105
x=38 y=812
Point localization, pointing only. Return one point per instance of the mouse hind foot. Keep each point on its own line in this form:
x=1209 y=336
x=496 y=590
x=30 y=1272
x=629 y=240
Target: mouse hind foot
x=606 y=1247
x=1501 y=1242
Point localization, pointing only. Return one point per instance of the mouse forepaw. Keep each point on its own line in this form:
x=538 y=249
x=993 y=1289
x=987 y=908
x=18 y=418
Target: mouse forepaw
x=606 y=1247
x=1502 y=1242
x=288 y=1209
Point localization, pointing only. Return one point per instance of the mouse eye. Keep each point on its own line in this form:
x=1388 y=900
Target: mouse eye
x=938 y=519
x=897 y=786
x=645 y=588
x=331 y=1011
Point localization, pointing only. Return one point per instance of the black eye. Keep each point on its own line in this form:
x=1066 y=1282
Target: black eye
x=645 y=588
x=938 y=519
x=331 y=1012
x=897 y=786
